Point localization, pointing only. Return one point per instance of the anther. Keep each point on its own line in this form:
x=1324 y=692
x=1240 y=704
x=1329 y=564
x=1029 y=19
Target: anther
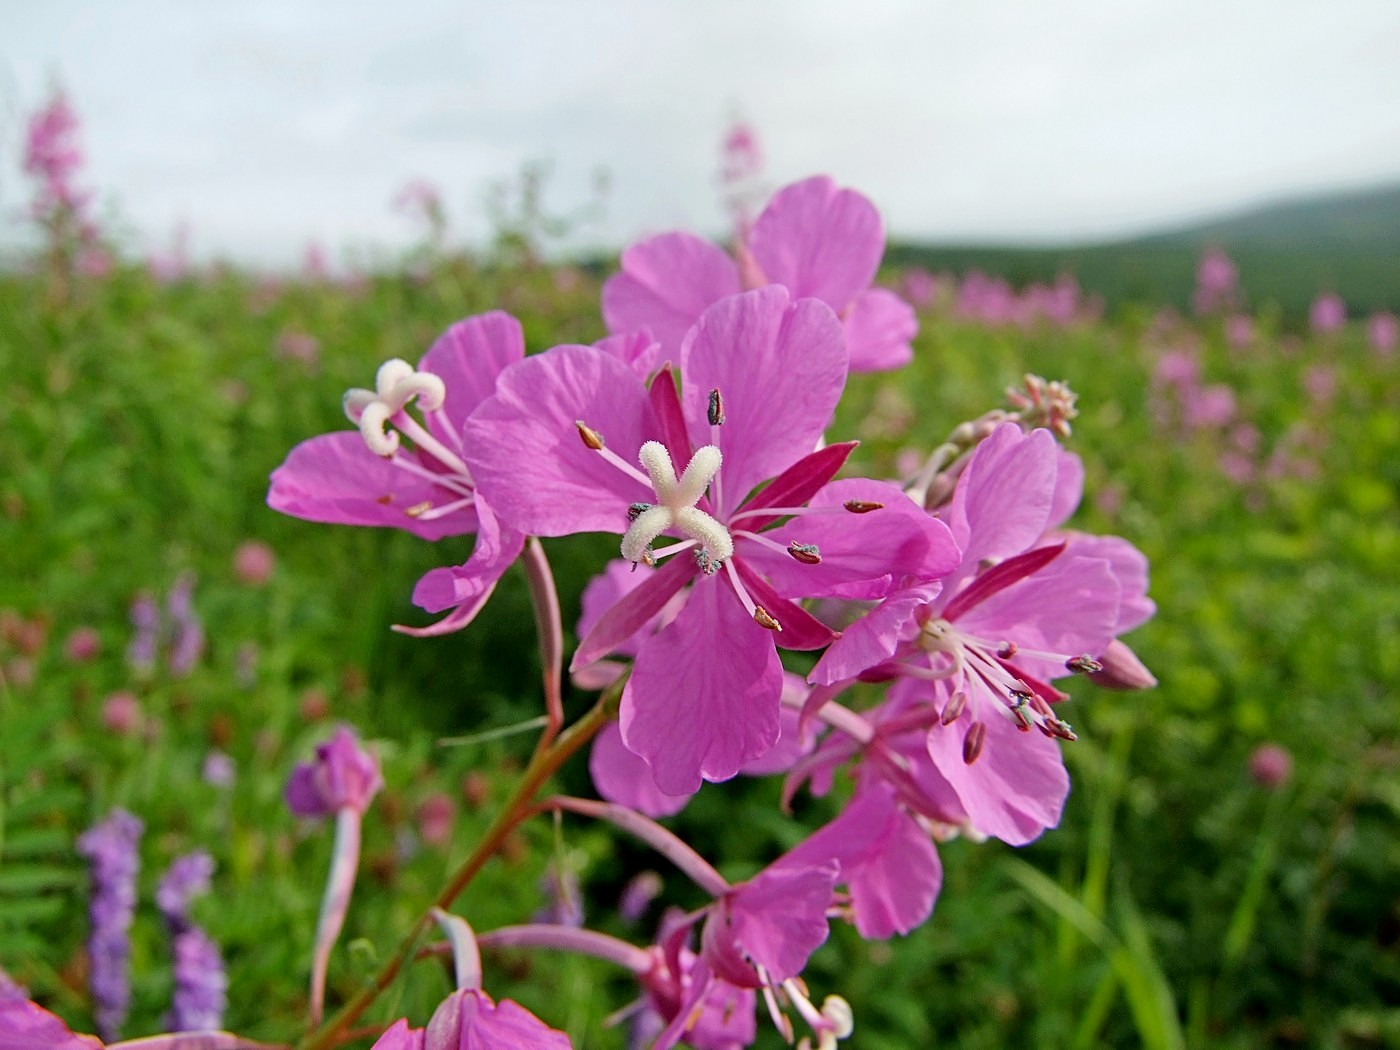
x=636 y=510
x=862 y=506
x=763 y=619
x=1020 y=707
x=708 y=565
x=591 y=437
x=1063 y=730
x=419 y=509
x=955 y=706
x=806 y=553
x=1007 y=650
x=972 y=743
x=715 y=411
x=1085 y=664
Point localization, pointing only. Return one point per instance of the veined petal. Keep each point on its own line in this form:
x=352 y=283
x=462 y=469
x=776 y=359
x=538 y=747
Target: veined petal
x=880 y=326
x=524 y=450
x=1003 y=498
x=819 y=240
x=874 y=637
x=800 y=629
x=468 y=357
x=665 y=284
x=622 y=777
x=778 y=918
x=1129 y=568
x=619 y=627
x=335 y=478
x=704 y=694
x=638 y=350
x=1069 y=489
x=780 y=366
x=496 y=550
x=863 y=556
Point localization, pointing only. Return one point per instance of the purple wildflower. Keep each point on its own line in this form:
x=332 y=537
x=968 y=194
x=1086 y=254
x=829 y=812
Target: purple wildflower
x=201 y=986
x=110 y=847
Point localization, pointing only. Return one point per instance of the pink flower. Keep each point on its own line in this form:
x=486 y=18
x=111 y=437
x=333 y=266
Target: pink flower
x=253 y=563
x=1239 y=331
x=813 y=238
x=82 y=645
x=1383 y=333
x=1217 y=282
x=371 y=478
x=760 y=378
x=121 y=713
x=343 y=776
x=1020 y=610
x=1328 y=313
x=1270 y=765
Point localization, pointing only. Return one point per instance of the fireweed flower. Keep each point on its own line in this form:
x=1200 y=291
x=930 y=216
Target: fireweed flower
x=111 y=849
x=201 y=986
x=554 y=450
x=1327 y=314
x=343 y=779
x=371 y=477
x=813 y=238
x=1022 y=608
x=1217 y=282
x=469 y=1019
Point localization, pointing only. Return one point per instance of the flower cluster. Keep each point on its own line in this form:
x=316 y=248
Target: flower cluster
x=940 y=612
x=111 y=849
x=201 y=986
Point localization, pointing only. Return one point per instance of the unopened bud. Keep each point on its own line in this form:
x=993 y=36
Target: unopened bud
x=763 y=619
x=1122 y=669
x=591 y=437
x=862 y=506
x=806 y=553
x=715 y=411
x=972 y=743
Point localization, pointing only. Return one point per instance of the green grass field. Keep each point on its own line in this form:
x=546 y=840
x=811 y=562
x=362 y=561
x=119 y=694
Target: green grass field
x=1180 y=904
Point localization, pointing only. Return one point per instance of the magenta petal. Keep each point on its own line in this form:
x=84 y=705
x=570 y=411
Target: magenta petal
x=468 y=1020
x=400 y=1037
x=704 y=694
x=1004 y=497
x=887 y=861
x=622 y=777
x=495 y=551
x=799 y=482
x=469 y=356
x=666 y=405
x=25 y=1025
x=791 y=745
x=778 y=918
x=665 y=284
x=880 y=326
x=863 y=556
x=1069 y=489
x=780 y=367
x=873 y=638
x=618 y=627
x=335 y=478
x=639 y=351
x=1017 y=786
x=819 y=240
x=1129 y=568
x=524 y=449
x=999 y=577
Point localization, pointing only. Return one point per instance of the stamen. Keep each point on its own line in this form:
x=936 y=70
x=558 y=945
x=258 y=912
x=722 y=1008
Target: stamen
x=419 y=509
x=957 y=703
x=591 y=437
x=715 y=411
x=862 y=506
x=636 y=510
x=972 y=743
x=806 y=553
x=1020 y=709
x=445 y=509
x=1085 y=664
x=763 y=619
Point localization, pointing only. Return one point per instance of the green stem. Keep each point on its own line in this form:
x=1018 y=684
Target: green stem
x=519 y=807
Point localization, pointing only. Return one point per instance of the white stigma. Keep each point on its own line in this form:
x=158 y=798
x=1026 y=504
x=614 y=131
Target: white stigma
x=396 y=384
x=675 y=507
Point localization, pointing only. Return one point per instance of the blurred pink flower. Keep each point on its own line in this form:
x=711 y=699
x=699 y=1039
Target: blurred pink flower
x=82 y=645
x=1320 y=382
x=1217 y=282
x=253 y=563
x=1328 y=313
x=121 y=714
x=1270 y=765
x=1383 y=333
x=1239 y=331
x=343 y=775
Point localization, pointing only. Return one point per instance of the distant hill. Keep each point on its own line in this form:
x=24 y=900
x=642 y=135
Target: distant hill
x=1286 y=253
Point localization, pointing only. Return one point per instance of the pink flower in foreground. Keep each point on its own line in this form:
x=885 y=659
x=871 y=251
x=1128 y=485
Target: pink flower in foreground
x=370 y=478
x=813 y=238
x=760 y=378
x=1021 y=609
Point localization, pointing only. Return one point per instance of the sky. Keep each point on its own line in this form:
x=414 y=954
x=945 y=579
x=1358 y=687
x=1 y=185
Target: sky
x=267 y=124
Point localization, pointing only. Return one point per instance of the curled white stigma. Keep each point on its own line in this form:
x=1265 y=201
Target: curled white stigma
x=396 y=384
x=675 y=507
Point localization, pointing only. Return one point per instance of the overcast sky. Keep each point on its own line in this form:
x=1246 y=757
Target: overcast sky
x=269 y=123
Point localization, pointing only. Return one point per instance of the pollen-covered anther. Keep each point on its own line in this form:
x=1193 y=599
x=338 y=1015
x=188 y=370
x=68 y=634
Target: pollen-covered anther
x=1021 y=711
x=862 y=506
x=806 y=553
x=1085 y=664
x=957 y=703
x=1063 y=729
x=636 y=510
x=715 y=409
x=973 y=741
x=591 y=437
x=763 y=618
x=419 y=509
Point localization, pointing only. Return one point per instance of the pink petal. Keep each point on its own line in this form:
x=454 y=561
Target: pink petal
x=618 y=629
x=622 y=777
x=469 y=356
x=639 y=351
x=780 y=367
x=400 y=1037
x=524 y=449
x=335 y=478
x=666 y=404
x=778 y=918
x=800 y=629
x=1129 y=568
x=1017 y=786
x=863 y=556
x=27 y=1026
x=704 y=693
x=819 y=241
x=1069 y=489
x=665 y=284
x=999 y=577
x=873 y=638
x=1003 y=499
x=495 y=551
x=880 y=326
